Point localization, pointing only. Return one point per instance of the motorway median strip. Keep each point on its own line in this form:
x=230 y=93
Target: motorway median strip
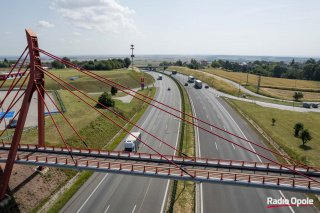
x=182 y=192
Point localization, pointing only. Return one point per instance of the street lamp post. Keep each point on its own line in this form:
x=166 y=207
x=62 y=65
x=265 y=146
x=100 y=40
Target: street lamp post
x=132 y=48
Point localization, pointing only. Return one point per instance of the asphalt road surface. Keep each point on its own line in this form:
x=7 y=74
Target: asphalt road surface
x=221 y=198
x=119 y=193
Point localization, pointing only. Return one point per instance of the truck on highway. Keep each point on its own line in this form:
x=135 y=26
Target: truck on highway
x=159 y=77
x=198 y=84
x=131 y=143
x=191 y=79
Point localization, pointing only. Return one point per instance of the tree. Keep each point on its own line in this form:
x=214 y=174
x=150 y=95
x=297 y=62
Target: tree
x=215 y=64
x=5 y=60
x=311 y=61
x=305 y=136
x=273 y=121
x=292 y=62
x=113 y=90
x=57 y=65
x=67 y=59
x=297 y=127
x=178 y=63
x=297 y=95
x=106 y=100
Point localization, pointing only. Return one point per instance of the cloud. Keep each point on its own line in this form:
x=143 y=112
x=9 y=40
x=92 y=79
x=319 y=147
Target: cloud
x=97 y=15
x=7 y=33
x=76 y=33
x=44 y=24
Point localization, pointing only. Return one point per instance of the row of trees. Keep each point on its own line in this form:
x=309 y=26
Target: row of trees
x=6 y=63
x=310 y=70
x=109 y=64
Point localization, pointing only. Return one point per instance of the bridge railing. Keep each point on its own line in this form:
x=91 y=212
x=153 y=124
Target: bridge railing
x=211 y=161
x=162 y=170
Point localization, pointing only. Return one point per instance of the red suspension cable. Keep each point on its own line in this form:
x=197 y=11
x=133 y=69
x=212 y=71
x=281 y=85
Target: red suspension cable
x=91 y=73
x=65 y=118
x=11 y=105
x=120 y=115
x=116 y=123
x=55 y=123
x=46 y=72
x=14 y=66
x=11 y=88
x=10 y=122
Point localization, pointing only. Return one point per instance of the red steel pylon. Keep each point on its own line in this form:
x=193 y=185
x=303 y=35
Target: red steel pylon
x=36 y=78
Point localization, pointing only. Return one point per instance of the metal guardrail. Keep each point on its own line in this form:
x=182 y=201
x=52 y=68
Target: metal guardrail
x=242 y=179
x=183 y=109
x=182 y=160
x=63 y=108
x=1 y=139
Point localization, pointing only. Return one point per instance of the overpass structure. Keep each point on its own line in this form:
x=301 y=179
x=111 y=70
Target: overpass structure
x=153 y=68
x=270 y=174
x=222 y=171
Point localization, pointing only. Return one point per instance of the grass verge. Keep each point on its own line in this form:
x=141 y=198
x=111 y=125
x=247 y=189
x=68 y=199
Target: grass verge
x=273 y=87
x=58 y=205
x=282 y=134
x=182 y=193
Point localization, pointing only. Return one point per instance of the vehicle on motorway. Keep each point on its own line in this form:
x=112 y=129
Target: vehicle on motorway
x=13 y=124
x=191 y=79
x=186 y=84
x=131 y=143
x=169 y=88
x=306 y=105
x=159 y=77
x=174 y=72
x=206 y=86
x=198 y=84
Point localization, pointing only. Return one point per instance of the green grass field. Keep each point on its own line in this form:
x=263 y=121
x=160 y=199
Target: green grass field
x=274 y=87
x=88 y=84
x=95 y=129
x=283 y=132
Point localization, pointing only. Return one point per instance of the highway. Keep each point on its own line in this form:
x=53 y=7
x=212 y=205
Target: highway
x=220 y=198
x=119 y=193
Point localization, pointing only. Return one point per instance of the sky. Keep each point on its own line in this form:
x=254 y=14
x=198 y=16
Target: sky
x=166 y=27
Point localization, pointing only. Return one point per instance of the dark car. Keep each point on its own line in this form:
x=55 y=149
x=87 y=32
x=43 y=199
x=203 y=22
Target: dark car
x=13 y=124
x=169 y=88
x=206 y=87
x=186 y=84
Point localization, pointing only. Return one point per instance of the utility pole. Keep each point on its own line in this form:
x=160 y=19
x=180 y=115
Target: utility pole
x=259 y=81
x=132 y=48
x=247 y=78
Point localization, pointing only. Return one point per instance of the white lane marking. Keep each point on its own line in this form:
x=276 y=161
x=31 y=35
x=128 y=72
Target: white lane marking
x=218 y=116
x=239 y=129
x=285 y=197
x=207 y=116
x=153 y=127
x=166 y=193
x=216 y=145
x=202 y=107
x=233 y=146
x=160 y=144
x=166 y=126
x=211 y=128
x=92 y=193
x=224 y=128
x=107 y=209
x=158 y=115
x=163 y=202
x=134 y=208
x=250 y=146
